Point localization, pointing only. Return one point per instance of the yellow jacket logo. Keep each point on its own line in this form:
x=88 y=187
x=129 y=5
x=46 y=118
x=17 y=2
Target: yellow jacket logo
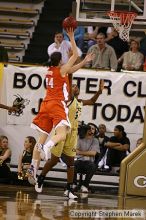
x=140 y=181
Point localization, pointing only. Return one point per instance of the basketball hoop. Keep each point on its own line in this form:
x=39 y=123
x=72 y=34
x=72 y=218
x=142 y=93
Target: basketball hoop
x=122 y=22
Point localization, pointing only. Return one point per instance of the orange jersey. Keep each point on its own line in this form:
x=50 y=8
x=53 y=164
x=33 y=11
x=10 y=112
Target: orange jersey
x=57 y=86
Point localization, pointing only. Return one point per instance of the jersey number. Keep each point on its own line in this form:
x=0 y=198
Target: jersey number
x=50 y=83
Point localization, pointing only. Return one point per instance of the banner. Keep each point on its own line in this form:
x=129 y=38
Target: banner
x=25 y=85
x=122 y=100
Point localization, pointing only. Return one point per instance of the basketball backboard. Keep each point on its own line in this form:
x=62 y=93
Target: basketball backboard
x=94 y=12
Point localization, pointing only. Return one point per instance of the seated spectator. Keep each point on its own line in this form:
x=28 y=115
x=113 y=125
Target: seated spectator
x=87 y=148
x=26 y=157
x=104 y=55
x=133 y=59
x=79 y=37
x=102 y=138
x=5 y=158
x=139 y=141
x=118 y=146
x=62 y=46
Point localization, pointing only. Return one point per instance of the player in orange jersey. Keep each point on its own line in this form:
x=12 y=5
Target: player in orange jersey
x=54 y=112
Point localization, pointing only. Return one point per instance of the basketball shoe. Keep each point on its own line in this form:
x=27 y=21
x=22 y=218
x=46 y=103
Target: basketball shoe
x=39 y=184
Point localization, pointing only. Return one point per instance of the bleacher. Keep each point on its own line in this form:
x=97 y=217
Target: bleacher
x=14 y=58
x=18 y=20
x=34 y=24
x=12 y=22
x=14 y=33
x=19 y=11
x=12 y=45
x=24 y=1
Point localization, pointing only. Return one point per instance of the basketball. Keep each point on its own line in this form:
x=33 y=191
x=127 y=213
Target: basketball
x=69 y=22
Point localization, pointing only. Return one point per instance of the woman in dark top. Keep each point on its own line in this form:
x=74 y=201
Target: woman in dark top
x=118 y=146
x=26 y=157
x=5 y=157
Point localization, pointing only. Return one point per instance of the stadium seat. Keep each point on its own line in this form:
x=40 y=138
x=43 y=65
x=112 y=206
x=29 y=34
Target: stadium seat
x=18 y=11
x=9 y=45
x=6 y=22
x=14 y=33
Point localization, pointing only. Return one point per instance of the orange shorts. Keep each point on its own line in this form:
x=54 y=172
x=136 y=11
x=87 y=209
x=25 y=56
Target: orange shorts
x=52 y=114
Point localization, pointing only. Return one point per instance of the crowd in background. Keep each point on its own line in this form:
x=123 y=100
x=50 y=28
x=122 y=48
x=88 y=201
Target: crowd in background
x=111 y=52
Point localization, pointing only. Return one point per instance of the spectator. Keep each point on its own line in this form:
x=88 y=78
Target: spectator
x=105 y=57
x=79 y=37
x=93 y=31
x=103 y=30
x=87 y=148
x=102 y=139
x=139 y=141
x=118 y=44
x=109 y=33
x=62 y=46
x=133 y=59
x=118 y=146
x=26 y=157
x=5 y=158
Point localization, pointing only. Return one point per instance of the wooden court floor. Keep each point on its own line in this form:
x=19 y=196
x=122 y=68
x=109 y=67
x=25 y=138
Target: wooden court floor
x=23 y=203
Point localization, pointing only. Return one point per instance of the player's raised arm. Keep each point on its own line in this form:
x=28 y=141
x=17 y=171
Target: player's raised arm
x=9 y=108
x=66 y=67
x=94 y=98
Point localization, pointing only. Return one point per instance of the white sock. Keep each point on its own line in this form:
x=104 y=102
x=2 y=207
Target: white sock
x=49 y=144
x=34 y=163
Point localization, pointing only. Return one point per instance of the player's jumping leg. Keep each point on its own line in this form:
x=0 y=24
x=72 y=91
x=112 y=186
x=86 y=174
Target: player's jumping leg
x=60 y=135
x=48 y=166
x=32 y=171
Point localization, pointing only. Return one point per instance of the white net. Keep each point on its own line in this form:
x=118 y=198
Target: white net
x=122 y=22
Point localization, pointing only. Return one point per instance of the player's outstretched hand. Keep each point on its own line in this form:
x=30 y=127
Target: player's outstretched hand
x=70 y=32
x=13 y=109
x=89 y=57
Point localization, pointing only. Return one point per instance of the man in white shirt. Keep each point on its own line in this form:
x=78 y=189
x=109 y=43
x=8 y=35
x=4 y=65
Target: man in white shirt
x=62 y=46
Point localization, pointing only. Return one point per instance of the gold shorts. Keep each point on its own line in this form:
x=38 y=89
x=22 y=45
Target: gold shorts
x=67 y=147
